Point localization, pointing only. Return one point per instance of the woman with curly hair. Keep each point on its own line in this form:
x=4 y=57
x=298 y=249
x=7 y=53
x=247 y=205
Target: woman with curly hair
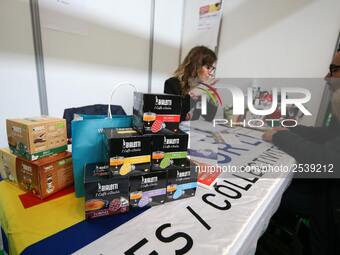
x=197 y=68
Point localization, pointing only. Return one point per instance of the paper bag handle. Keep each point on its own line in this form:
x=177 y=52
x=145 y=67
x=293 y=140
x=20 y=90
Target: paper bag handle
x=118 y=85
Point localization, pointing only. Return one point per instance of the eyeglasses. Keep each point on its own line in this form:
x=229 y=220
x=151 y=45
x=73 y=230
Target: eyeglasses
x=210 y=68
x=333 y=68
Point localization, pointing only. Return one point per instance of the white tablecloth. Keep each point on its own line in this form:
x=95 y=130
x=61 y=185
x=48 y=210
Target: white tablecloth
x=211 y=230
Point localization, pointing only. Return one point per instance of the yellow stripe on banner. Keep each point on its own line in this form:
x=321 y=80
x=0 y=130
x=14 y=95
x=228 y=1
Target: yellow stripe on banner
x=135 y=160
x=24 y=227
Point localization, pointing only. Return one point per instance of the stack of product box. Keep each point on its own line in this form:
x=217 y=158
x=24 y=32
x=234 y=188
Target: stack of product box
x=146 y=165
x=37 y=159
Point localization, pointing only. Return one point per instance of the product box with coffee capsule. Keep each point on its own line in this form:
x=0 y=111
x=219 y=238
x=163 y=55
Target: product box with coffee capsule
x=154 y=112
x=34 y=138
x=45 y=176
x=8 y=165
x=126 y=150
x=147 y=189
x=168 y=148
x=182 y=181
x=105 y=194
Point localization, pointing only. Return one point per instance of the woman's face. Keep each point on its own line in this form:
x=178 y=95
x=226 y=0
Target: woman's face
x=206 y=73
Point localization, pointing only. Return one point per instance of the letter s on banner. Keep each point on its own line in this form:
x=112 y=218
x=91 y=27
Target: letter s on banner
x=173 y=237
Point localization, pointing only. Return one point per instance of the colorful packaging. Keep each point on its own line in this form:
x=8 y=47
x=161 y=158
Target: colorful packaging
x=147 y=189
x=105 y=194
x=126 y=150
x=182 y=181
x=155 y=112
x=34 y=138
x=168 y=148
x=8 y=165
x=45 y=176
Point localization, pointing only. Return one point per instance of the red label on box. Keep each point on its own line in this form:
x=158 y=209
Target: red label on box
x=168 y=118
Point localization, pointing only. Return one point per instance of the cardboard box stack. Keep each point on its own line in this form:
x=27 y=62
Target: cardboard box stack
x=149 y=161
x=36 y=159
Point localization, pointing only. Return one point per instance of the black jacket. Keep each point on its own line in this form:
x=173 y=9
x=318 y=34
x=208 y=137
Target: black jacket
x=173 y=86
x=309 y=145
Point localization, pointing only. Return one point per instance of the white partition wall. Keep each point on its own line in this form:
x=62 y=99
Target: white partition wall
x=265 y=38
x=272 y=39
x=280 y=39
x=193 y=32
x=105 y=42
x=167 y=40
x=18 y=83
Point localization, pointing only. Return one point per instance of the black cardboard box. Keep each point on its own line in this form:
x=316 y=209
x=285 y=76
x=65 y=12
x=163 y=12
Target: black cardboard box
x=182 y=181
x=168 y=148
x=147 y=189
x=105 y=194
x=154 y=112
x=126 y=150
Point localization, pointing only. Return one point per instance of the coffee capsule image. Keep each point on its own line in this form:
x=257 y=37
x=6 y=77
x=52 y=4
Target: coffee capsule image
x=171 y=189
x=116 y=163
x=126 y=168
x=135 y=197
x=148 y=120
x=166 y=161
x=145 y=200
x=157 y=157
x=115 y=205
x=157 y=126
x=179 y=192
x=95 y=204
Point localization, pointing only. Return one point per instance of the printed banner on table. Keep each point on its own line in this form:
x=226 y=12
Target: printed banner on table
x=220 y=217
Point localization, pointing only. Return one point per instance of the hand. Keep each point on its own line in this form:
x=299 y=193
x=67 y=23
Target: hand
x=195 y=94
x=268 y=135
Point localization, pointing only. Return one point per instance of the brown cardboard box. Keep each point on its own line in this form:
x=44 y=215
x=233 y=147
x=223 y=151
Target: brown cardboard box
x=34 y=138
x=7 y=165
x=45 y=176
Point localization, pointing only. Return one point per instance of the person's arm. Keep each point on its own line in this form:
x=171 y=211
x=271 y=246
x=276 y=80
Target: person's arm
x=306 y=151
x=314 y=134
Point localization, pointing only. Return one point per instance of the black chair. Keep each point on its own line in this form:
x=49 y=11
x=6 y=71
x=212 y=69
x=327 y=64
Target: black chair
x=97 y=109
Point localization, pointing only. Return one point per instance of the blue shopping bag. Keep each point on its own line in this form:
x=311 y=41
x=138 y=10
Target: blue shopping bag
x=87 y=138
x=87 y=143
